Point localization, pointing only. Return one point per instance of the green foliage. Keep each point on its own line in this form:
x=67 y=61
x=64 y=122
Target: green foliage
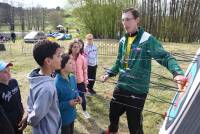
x=56 y=18
x=101 y=19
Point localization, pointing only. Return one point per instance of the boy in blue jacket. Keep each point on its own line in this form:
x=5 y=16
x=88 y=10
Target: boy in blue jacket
x=68 y=95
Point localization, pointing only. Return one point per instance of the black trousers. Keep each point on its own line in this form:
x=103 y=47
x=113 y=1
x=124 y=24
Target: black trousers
x=82 y=90
x=5 y=125
x=91 y=75
x=131 y=103
x=69 y=129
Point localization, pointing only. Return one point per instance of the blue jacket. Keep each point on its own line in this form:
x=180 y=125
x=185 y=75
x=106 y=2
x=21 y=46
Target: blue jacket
x=67 y=90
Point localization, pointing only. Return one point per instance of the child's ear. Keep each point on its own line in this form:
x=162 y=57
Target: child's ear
x=47 y=61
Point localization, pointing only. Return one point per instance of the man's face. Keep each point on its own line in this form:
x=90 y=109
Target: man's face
x=129 y=22
x=5 y=74
x=56 y=60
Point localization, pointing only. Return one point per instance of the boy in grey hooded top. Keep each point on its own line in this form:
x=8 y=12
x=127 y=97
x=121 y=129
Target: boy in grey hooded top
x=43 y=110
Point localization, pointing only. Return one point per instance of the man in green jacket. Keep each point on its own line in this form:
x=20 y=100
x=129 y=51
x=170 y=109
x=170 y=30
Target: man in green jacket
x=136 y=49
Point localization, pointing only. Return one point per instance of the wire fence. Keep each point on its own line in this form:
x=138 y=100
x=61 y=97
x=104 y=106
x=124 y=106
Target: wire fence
x=106 y=47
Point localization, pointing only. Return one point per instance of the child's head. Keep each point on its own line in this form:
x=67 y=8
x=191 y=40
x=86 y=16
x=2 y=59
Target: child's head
x=74 y=47
x=5 y=71
x=89 y=39
x=47 y=53
x=66 y=64
x=81 y=43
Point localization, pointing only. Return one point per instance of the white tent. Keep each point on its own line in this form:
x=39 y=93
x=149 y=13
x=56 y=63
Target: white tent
x=60 y=26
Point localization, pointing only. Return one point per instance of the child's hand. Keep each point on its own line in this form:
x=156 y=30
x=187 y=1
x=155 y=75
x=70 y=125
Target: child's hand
x=23 y=123
x=73 y=102
x=79 y=99
x=86 y=88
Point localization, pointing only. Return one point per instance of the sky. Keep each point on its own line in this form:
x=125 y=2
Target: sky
x=42 y=3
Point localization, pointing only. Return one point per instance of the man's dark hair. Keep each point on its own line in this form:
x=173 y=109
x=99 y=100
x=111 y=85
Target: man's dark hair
x=134 y=12
x=44 y=49
x=65 y=58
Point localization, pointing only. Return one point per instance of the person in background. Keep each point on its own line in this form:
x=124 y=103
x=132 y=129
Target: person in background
x=80 y=70
x=91 y=54
x=13 y=37
x=10 y=98
x=68 y=94
x=136 y=49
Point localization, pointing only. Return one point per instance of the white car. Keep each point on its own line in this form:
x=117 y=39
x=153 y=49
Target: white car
x=34 y=36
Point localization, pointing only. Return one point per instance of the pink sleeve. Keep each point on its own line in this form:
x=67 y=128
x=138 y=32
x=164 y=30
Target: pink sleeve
x=85 y=69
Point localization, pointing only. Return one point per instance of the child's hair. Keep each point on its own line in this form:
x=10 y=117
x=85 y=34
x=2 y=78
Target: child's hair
x=71 y=44
x=64 y=59
x=44 y=49
x=89 y=36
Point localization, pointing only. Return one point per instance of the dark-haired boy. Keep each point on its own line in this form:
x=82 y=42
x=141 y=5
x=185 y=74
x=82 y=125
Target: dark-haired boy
x=43 y=111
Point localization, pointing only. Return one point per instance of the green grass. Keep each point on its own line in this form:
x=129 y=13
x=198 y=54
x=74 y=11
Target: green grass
x=98 y=106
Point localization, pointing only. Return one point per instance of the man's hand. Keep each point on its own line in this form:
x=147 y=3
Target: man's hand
x=104 y=77
x=23 y=123
x=181 y=81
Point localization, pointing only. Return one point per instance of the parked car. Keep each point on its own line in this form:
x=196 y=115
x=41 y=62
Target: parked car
x=34 y=36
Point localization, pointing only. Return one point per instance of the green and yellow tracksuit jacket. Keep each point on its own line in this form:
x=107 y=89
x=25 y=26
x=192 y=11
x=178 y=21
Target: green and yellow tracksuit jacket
x=135 y=76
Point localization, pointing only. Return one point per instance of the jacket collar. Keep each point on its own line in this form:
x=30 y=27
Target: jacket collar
x=137 y=33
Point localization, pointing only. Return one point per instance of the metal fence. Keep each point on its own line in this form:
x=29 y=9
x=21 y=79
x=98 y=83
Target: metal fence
x=106 y=47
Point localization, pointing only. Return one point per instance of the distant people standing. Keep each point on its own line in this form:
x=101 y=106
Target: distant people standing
x=67 y=30
x=78 y=31
x=92 y=60
x=1 y=37
x=13 y=37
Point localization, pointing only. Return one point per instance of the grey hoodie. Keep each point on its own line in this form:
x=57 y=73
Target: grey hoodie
x=43 y=112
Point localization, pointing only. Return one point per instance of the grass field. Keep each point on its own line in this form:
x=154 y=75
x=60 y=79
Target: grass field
x=98 y=106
